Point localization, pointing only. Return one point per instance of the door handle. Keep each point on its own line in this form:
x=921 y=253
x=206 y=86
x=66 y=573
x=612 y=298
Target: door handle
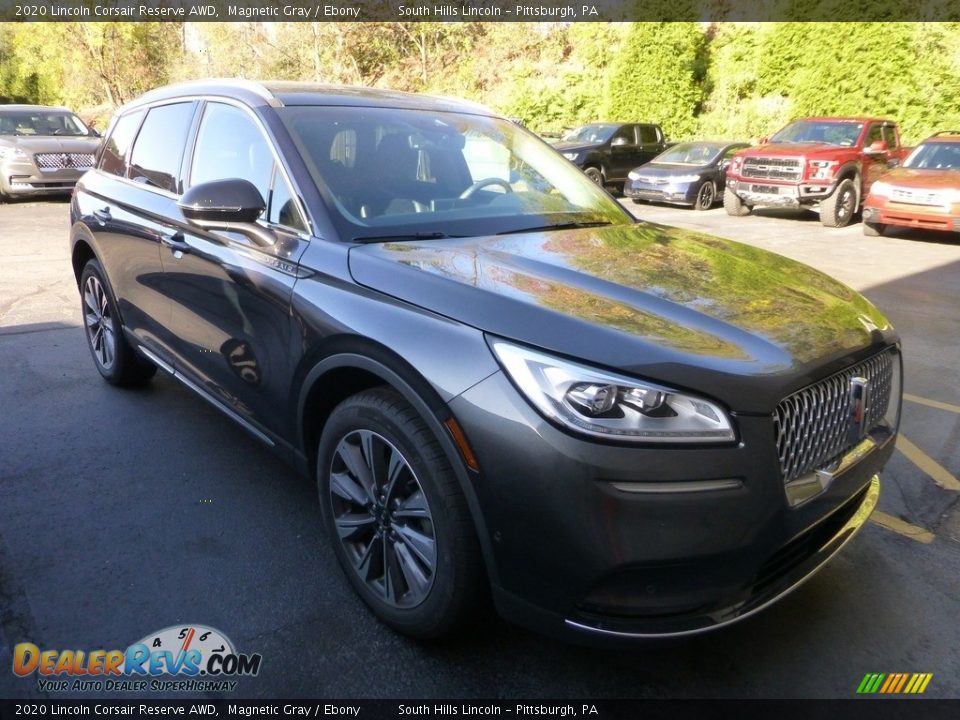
x=103 y=216
x=175 y=241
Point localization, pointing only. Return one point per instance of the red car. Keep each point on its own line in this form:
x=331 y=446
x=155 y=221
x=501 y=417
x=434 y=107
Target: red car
x=922 y=193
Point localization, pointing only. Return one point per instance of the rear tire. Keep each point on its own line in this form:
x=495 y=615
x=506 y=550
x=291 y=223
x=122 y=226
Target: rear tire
x=838 y=210
x=115 y=359
x=874 y=229
x=397 y=517
x=734 y=205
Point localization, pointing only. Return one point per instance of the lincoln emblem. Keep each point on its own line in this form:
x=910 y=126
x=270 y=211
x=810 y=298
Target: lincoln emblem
x=859 y=404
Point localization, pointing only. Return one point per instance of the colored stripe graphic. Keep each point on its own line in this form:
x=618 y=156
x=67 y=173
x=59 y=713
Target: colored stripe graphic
x=894 y=683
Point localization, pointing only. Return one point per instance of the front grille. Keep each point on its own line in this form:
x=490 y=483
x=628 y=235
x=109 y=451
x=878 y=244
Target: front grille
x=917 y=197
x=812 y=424
x=61 y=161
x=772 y=168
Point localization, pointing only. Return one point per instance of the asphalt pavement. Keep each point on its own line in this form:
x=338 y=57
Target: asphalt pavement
x=125 y=512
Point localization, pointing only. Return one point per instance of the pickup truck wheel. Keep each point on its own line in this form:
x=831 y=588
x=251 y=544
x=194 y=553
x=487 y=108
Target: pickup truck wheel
x=396 y=516
x=873 y=229
x=595 y=174
x=733 y=204
x=838 y=209
x=706 y=194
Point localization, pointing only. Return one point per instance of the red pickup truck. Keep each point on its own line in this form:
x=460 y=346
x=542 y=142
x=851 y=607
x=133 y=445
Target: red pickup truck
x=825 y=164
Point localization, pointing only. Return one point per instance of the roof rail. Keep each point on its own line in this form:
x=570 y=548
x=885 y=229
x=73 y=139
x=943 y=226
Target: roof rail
x=945 y=132
x=251 y=85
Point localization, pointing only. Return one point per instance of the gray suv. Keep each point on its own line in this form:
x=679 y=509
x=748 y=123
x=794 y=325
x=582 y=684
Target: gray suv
x=503 y=385
x=43 y=150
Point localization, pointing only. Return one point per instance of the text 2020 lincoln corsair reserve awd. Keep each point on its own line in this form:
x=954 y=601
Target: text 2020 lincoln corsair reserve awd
x=503 y=384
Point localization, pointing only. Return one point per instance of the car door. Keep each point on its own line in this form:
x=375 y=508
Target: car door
x=231 y=296
x=123 y=204
x=650 y=143
x=874 y=164
x=624 y=152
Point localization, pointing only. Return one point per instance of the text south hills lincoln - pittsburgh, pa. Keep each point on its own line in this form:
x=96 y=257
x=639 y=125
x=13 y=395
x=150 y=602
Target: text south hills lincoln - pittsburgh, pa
x=532 y=10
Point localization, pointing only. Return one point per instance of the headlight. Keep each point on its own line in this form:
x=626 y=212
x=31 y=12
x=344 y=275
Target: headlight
x=684 y=179
x=821 y=169
x=633 y=175
x=602 y=404
x=10 y=153
x=880 y=189
x=571 y=156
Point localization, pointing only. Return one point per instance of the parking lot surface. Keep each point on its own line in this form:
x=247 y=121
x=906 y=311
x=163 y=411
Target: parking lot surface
x=125 y=512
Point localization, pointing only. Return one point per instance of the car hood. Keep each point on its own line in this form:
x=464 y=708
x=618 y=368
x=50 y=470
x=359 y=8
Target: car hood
x=51 y=143
x=924 y=179
x=575 y=146
x=655 y=169
x=795 y=150
x=739 y=323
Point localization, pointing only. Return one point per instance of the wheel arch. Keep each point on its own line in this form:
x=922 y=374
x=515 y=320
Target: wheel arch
x=81 y=253
x=851 y=171
x=347 y=365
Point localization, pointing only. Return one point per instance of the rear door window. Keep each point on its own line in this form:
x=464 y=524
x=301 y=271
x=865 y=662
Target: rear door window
x=158 y=150
x=648 y=134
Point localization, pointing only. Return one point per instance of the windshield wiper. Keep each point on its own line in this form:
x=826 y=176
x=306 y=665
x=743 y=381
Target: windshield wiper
x=559 y=226
x=406 y=237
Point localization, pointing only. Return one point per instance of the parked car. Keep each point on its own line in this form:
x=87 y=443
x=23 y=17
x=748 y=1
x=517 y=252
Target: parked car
x=501 y=382
x=692 y=173
x=825 y=164
x=43 y=150
x=924 y=192
x=608 y=151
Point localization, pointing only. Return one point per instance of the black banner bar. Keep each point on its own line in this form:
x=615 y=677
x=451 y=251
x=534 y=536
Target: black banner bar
x=857 y=709
x=475 y=10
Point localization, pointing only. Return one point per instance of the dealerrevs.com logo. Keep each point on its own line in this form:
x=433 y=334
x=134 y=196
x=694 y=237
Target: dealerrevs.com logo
x=201 y=659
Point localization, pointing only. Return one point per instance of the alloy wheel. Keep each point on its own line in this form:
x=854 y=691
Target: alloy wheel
x=845 y=206
x=705 y=196
x=99 y=322
x=383 y=519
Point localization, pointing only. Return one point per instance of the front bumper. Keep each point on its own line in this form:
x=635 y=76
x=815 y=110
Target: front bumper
x=22 y=178
x=767 y=193
x=921 y=217
x=615 y=542
x=675 y=193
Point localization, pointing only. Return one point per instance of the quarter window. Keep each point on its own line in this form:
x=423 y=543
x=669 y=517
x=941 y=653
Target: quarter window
x=158 y=150
x=890 y=135
x=113 y=158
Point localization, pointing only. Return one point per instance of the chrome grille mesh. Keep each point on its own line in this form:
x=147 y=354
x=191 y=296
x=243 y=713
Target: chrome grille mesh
x=60 y=161
x=772 y=168
x=811 y=425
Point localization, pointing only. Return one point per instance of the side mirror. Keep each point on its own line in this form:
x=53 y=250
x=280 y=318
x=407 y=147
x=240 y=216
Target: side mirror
x=619 y=141
x=232 y=205
x=763 y=140
x=94 y=132
x=877 y=147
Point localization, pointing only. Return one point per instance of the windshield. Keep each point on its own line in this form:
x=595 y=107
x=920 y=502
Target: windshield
x=699 y=153
x=819 y=131
x=598 y=133
x=40 y=122
x=934 y=156
x=393 y=174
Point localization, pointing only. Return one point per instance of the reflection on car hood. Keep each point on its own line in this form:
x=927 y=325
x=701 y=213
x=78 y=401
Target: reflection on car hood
x=575 y=146
x=645 y=299
x=51 y=143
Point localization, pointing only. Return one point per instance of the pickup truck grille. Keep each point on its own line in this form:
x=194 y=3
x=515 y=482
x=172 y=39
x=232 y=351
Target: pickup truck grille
x=811 y=425
x=61 y=161
x=772 y=168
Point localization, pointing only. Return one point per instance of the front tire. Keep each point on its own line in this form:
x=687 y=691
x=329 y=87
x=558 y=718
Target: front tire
x=595 y=174
x=733 y=204
x=706 y=194
x=397 y=517
x=838 y=210
x=115 y=359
